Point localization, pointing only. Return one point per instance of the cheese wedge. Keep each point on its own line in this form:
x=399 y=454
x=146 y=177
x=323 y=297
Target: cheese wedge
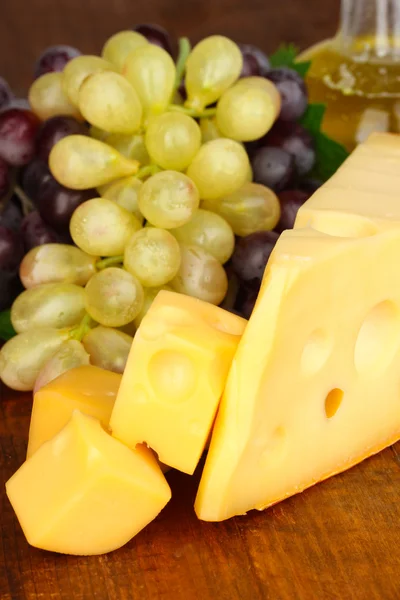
x=86 y=388
x=314 y=386
x=84 y=492
x=174 y=378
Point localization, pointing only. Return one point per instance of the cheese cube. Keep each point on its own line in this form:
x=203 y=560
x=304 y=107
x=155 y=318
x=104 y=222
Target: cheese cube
x=83 y=492
x=314 y=386
x=174 y=378
x=86 y=388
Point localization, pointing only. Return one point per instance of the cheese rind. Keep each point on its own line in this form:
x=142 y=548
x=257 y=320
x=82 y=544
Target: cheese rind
x=84 y=493
x=174 y=378
x=87 y=388
x=313 y=388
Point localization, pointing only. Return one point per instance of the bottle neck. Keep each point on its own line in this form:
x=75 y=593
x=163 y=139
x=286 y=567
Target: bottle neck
x=370 y=29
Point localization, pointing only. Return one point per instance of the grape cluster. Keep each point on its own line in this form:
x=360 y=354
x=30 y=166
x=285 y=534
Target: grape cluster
x=144 y=174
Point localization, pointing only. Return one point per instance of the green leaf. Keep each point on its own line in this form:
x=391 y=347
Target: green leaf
x=6 y=329
x=312 y=118
x=285 y=56
x=330 y=156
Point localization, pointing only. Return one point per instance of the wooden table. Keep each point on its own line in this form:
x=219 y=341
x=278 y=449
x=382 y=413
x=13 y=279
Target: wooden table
x=339 y=540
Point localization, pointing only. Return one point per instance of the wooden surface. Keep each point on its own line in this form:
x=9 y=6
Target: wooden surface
x=339 y=540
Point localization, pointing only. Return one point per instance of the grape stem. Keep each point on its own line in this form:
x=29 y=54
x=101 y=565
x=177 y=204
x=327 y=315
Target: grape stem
x=184 y=51
x=192 y=112
x=79 y=332
x=111 y=261
x=147 y=171
x=26 y=202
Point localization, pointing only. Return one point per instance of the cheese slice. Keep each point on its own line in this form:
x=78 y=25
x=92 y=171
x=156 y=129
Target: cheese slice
x=86 y=388
x=174 y=378
x=83 y=492
x=314 y=386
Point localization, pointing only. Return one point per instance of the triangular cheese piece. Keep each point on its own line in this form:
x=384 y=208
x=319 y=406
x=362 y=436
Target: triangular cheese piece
x=314 y=386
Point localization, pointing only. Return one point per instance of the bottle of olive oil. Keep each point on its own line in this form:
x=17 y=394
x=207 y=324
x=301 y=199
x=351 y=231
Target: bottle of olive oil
x=357 y=73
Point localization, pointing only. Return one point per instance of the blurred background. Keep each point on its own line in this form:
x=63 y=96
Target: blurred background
x=28 y=26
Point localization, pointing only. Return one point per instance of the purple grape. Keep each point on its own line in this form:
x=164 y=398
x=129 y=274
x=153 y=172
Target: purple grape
x=20 y=103
x=156 y=35
x=246 y=300
x=54 y=58
x=273 y=167
x=293 y=93
x=251 y=255
x=310 y=185
x=32 y=177
x=10 y=288
x=5 y=178
x=35 y=232
x=53 y=130
x=5 y=93
x=290 y=201
x=17 y=136
x=11 y=215
x=11 y=250
x=296 y=140
x=255 y=62
x=56 y=203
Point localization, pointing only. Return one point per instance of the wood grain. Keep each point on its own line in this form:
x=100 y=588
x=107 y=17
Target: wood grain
x=337 y=541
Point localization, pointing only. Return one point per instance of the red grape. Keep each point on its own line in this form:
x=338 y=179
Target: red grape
x=11 y=215
x=35 y=232
x=32 y=177
x=251 y=255
x=10 y=288
x=5 y=93
x=54 y=58
x=246 y=300
x=11 y=249
x=255 y=62
x=4 y=178
x=17 y=136
x=310 y=185
x=56 y=203
x=290 y=201
x=296 y=140
x=156 y=35
x=53 y=130
x=293 y=92
x=273 y=167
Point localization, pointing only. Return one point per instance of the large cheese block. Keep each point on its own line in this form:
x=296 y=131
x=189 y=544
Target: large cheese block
x=174 y=378
x=83 y=492
x=86 y=388
x=314 y=386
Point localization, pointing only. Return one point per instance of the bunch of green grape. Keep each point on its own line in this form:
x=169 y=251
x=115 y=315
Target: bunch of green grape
x=174 y=188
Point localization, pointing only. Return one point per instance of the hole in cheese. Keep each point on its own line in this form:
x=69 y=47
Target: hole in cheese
x=342 y=225
x=316 y=352
x=333 y=402
x=378 y=339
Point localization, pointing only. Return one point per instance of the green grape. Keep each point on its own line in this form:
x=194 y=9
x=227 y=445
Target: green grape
x=220 y=167
x=172 y=140
x=23 y=356
x=264 y=84
x=213 y=66
x=120 y=45
x=113 y=297
x=70 y=354
x=200 y=275
x=48 y=99
x=168 y=199
x=210 y=232
x=130 y=146
x=245 y=113
x=78 y=69
x=101 y=227
x=108 y=100
x=125 y=192
x=153 y=256
x=209 y=130
x=108 y=348
x=53 y=263
x=55 y=305
x=81 y=163
x=149 y=295
x=251 y=208
x=151 y=71
x=98 y=134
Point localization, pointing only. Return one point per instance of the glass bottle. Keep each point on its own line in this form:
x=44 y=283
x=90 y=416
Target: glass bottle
x=357 y=73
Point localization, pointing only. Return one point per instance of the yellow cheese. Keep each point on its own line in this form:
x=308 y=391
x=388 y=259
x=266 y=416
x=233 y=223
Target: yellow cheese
x=314 y=386
x=87 y=388
x=174 y=378
x=83 y=492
